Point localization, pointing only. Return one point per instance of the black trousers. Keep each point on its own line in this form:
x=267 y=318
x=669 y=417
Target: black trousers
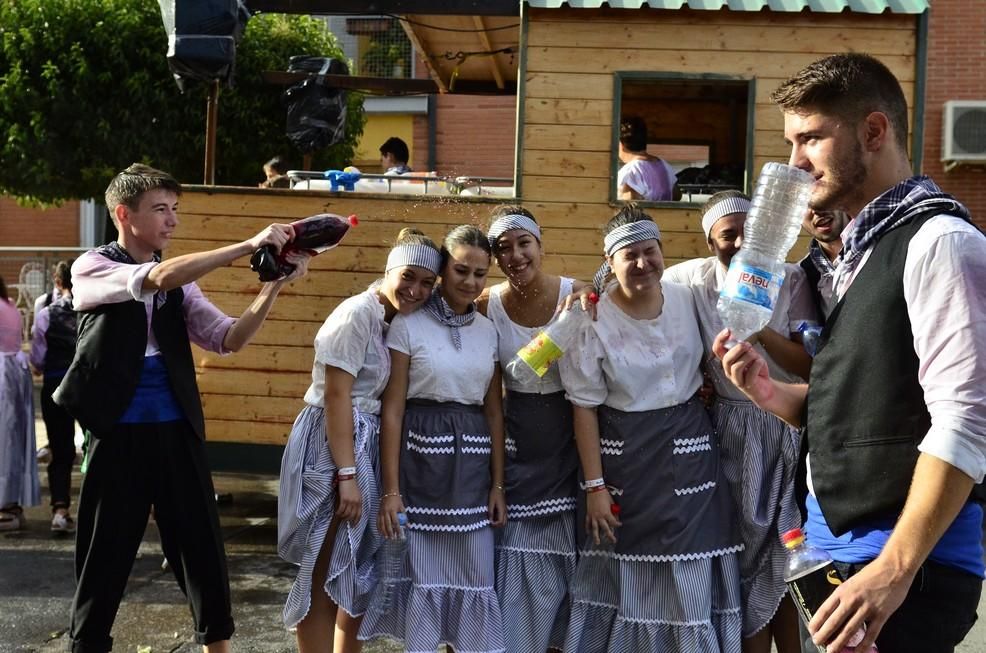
x=936 y=615
x=61 y=443
x=131 y=469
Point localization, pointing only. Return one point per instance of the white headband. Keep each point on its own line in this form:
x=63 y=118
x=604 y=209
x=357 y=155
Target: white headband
x=722 y=209
x=416 y=254
x=630 y=233
x=510 y=222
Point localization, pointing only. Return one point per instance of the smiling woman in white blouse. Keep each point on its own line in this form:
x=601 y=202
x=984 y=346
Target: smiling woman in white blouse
x=662 y=576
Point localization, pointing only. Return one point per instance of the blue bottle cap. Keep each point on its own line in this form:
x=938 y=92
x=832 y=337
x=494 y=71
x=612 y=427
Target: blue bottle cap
x=401 y=519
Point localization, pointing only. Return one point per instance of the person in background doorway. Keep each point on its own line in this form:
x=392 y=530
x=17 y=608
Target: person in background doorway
x=276 y=173
x=643 y=176
x=52 y=351
x=825 y=229
x=394 y=156
x=18 y=470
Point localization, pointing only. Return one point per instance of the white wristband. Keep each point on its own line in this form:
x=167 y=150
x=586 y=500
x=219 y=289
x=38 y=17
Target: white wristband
x=345 y=471
x=595 y=482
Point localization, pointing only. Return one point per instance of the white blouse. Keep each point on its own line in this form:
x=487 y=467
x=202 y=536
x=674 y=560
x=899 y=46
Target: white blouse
x=512 y=337
x=438 y=370
x=352 y=339
x=636 y=365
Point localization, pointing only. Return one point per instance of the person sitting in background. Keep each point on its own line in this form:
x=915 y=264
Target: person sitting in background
x=52 y=350
x=276 y=171
x=394 y=156
x=643 y=176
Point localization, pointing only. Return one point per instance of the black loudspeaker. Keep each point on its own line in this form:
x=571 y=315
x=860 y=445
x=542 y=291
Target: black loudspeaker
x=202 y=38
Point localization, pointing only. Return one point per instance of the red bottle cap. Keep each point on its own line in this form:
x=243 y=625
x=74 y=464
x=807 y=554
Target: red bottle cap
x=594 y=298
x=791 y=535
x=353 y=220
x=615 y=509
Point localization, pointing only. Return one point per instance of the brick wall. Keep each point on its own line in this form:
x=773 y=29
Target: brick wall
x=24 y=227
x=956 y=71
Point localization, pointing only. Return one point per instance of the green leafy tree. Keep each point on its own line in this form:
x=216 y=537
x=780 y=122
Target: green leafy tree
x=85 y=90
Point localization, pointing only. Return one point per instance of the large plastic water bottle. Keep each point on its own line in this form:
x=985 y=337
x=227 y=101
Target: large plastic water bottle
x=756 y=272
x=533 y=360
x=811 y=578
x=390 y=563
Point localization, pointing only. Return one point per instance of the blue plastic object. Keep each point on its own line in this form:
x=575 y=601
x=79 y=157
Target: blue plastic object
x=342 y=178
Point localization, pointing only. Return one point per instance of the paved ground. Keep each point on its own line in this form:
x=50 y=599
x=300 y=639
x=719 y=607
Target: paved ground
x=36 y=583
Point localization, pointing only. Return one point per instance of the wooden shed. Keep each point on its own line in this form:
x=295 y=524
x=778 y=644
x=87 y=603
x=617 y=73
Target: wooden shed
x=699 y=72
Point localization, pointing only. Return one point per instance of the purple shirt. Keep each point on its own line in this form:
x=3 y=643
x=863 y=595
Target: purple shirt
x=97 y=280
x=39 y=344
x=10 y=327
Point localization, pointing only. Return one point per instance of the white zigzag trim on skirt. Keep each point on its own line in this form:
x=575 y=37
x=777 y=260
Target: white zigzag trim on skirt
x=442 y=586
x=676 y=557
x=692 y=448
x=695 y=488
x=510 y=445
x=557 y=501
x=446 y=511
x=479 y=450
x=523 y=514
x=476 y=438
x=610 y=451
x=430 y=439
x=567 y=554
x=611 y=443
x=685 y=442
x=437 y=450
x=448 y=528
x=656 y=622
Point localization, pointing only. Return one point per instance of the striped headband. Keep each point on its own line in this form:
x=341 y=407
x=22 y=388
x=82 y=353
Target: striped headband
x=630 y=233
x=623 y=236
x=510 y=222
x=416 y=254
x=722 y=209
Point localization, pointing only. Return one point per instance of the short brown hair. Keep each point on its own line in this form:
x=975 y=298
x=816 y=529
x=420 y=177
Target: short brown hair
x=128 y=186
x=849 y=85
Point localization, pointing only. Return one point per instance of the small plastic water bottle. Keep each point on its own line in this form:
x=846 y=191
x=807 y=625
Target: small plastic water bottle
x=756 y=272
x=531 y=363
x=392 y=554
x=811 y=578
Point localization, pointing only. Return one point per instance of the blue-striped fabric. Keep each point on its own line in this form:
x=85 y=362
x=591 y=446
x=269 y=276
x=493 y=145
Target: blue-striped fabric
x=758 y=457
x=306 y=507
x=447 y=596
x=535 y=564
x=416 y=254
x=510 y=222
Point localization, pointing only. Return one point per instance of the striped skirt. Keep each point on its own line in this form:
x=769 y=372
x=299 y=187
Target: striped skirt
x=18 y=465
x=759 y=459
x=306 y=507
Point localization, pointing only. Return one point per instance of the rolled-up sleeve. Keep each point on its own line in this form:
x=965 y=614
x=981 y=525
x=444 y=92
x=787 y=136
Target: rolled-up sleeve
x=344 y=337
x=98 y=280
x=945 y=290
x=581 y=370
x=206 y=324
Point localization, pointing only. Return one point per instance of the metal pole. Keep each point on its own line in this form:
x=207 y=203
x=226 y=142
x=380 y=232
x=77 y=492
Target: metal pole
x=211 y=117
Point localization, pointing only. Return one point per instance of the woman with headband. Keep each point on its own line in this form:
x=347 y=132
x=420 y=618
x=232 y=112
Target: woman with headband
x=536 y=550
x=759 y=451
x=441 y=460
x=328 y=499
x=670 y=582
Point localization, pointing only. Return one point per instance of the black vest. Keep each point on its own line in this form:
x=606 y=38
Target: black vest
x=60 y=336
x=865 y=412
x=814 y=276
x=109 y=357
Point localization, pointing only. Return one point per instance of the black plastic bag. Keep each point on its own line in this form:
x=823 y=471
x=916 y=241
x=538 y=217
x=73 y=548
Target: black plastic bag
x=202 y=38
x=316 y=110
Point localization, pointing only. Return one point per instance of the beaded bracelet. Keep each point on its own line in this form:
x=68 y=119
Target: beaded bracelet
x=591 y=483
x=390 y=494
x=347 y=470
x=498 y=486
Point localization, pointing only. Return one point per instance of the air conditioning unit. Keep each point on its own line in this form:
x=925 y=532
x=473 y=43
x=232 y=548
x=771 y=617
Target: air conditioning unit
x=964 y=140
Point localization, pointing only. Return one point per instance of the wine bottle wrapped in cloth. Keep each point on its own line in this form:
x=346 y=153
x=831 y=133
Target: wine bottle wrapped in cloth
x=313 y=235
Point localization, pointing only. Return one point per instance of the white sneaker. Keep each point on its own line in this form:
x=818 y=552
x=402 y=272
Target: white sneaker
x=62 y=523
x=44 y=455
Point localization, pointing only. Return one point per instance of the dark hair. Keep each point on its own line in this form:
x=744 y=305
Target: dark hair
x=412 y=236
x=128 y=186
x=629 y=213
x=850 y=86
x=397 y=148
x=63 y=272
x=501 y=210
x=465 y=235
x=3 y=290
x=278 y=164
x=633 y=133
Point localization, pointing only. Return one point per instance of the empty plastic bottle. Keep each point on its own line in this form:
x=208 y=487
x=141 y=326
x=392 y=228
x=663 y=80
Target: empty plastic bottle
x=533 y=360
x=811 y=578
x=313 y=235
x=756 y=272
x=390 y=563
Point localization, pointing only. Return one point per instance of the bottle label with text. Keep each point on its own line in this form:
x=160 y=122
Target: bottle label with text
x=752 y=285
x=540 y=353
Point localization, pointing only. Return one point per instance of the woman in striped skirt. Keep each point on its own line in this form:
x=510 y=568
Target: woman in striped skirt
x=536 y=551
x=759 y=451
x=662 y=576
x=442 y=463
x=327 y=504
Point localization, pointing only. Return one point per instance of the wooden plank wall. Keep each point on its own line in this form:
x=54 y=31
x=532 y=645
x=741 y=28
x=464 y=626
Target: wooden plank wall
x=572 y=55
